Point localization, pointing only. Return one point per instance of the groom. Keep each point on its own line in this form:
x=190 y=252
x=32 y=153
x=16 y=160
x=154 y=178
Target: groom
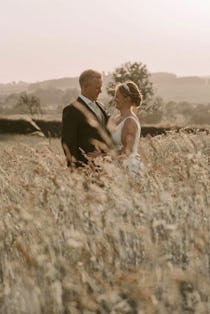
x=84 y=122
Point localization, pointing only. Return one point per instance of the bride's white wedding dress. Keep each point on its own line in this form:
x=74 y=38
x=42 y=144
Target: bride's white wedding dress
x=131 y=162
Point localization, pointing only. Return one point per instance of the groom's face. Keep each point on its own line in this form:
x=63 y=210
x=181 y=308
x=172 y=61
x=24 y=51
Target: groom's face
x=93 y=88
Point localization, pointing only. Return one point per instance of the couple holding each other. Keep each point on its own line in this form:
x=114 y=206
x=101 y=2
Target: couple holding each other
x=88 y=132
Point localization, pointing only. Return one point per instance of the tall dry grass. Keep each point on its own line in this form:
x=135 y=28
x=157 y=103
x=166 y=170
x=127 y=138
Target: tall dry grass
x=105 y=242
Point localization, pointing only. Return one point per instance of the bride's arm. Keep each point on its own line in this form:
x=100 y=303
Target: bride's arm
x=128 y=136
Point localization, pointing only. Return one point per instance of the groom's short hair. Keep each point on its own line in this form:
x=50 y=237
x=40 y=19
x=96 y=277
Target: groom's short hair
x=88 y=75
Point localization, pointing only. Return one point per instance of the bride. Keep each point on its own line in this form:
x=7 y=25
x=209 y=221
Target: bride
x=125 y=127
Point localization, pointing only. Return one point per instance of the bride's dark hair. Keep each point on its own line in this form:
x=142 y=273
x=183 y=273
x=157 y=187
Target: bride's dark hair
x=129 y=88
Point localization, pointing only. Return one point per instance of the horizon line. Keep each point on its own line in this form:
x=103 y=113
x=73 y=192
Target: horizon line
x=104 y=73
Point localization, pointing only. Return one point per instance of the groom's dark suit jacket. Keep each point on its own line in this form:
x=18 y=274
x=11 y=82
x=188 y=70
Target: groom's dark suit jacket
x=80 y=129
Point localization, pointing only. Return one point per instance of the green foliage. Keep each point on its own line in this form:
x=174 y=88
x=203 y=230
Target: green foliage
x=136 y=72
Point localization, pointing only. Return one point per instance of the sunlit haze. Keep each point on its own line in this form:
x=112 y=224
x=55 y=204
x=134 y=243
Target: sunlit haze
x=46 y=39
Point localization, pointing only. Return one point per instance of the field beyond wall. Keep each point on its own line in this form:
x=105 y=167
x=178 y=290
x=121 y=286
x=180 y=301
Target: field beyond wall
x=104 y=242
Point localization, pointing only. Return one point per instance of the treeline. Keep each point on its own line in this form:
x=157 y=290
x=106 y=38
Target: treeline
x=178 y=113
x=169 y=86
x=51 y=99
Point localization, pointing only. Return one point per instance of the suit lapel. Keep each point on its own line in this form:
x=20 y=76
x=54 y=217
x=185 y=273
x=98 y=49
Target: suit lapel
x=87 y=107
x=103 y=131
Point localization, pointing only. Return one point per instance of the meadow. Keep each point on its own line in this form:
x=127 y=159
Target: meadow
x=103 y=241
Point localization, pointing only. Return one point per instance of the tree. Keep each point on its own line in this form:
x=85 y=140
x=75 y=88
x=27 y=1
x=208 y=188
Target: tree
x=136 y=72
x=31 y=103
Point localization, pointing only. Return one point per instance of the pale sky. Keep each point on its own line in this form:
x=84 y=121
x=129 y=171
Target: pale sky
x=46 y=39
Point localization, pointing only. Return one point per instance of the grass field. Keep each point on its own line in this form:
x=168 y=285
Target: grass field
x=104 y=242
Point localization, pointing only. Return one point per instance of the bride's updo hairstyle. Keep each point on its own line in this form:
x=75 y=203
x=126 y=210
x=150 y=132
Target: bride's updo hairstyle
x=129 y=88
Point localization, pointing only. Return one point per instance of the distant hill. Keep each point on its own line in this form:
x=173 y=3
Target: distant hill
x=187 y=88
x=166 y=85
x=13 y=87
x=62 y=83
